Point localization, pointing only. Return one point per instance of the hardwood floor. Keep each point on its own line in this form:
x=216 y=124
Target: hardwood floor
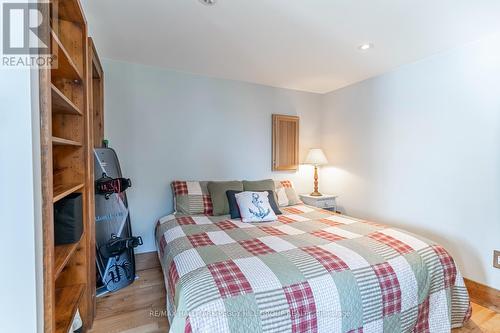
x=132 y=309
x=483 y=320
x=138 y=309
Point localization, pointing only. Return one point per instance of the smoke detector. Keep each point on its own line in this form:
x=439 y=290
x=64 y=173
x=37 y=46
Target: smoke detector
x=208 y=2
x=365 y=47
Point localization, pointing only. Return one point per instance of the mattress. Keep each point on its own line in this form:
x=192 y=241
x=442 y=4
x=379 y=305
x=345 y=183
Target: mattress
x=310 y=271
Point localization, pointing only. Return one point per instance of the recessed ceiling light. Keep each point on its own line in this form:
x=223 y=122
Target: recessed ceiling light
x=365 y=46
x=208 y=2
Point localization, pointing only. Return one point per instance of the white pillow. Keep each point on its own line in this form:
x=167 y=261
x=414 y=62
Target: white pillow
x=285 y=188
x=282 y=198
x=255 y=207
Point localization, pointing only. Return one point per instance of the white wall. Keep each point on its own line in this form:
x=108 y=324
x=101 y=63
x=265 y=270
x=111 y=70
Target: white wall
x=21 y=239
x=417 y=148
x=21 y=293
x=168 y=125
x=420 y=148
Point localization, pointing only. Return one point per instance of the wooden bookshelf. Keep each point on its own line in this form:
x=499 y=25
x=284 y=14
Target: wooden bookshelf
x=96 y=90
x=66 y=67
x=62 y=254
x=67 y=301
x=62 y=104
x=71 y=11
x=65 y=142
x=67 y=166
x=62 y=191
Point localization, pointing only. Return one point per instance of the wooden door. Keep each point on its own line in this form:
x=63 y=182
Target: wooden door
x=285 y=142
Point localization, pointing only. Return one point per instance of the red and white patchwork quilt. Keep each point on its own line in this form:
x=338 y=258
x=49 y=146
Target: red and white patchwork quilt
x=310 y=271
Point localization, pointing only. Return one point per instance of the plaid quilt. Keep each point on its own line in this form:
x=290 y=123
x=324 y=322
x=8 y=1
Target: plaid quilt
x=310 y=271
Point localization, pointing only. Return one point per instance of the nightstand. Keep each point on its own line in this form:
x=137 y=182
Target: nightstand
x=326 y=201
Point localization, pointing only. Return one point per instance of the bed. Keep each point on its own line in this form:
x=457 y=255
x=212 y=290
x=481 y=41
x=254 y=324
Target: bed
x=310 y=271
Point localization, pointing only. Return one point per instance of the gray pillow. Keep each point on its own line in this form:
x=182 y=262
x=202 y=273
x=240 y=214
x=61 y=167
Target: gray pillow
x=218 y=191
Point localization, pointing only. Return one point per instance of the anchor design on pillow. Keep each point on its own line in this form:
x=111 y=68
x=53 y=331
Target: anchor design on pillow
x=261 y=213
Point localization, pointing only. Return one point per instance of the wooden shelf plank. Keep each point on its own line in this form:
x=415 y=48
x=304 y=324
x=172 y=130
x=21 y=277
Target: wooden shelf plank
x=62 y=254
x=64 y=142
x=60 y=191
x=71 y=10
x=66 y=68
x=67 y=302
x=62 y=104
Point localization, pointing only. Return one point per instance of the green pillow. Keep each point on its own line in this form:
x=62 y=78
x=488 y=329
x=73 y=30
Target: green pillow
x=217 y=192
x=259 y=185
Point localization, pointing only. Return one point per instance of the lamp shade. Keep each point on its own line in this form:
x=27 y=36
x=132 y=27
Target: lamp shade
x=316 y=157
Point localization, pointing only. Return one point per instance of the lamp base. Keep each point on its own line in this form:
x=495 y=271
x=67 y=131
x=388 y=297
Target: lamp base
x=315 y=194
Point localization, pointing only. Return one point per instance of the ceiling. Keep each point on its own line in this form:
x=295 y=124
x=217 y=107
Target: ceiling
x=309 y=45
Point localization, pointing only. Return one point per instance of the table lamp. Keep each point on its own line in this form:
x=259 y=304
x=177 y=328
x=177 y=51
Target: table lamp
x=316 y=157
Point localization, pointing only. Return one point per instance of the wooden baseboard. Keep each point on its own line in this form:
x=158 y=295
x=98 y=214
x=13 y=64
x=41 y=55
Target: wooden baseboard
x=483 y=295
x=146 y=260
